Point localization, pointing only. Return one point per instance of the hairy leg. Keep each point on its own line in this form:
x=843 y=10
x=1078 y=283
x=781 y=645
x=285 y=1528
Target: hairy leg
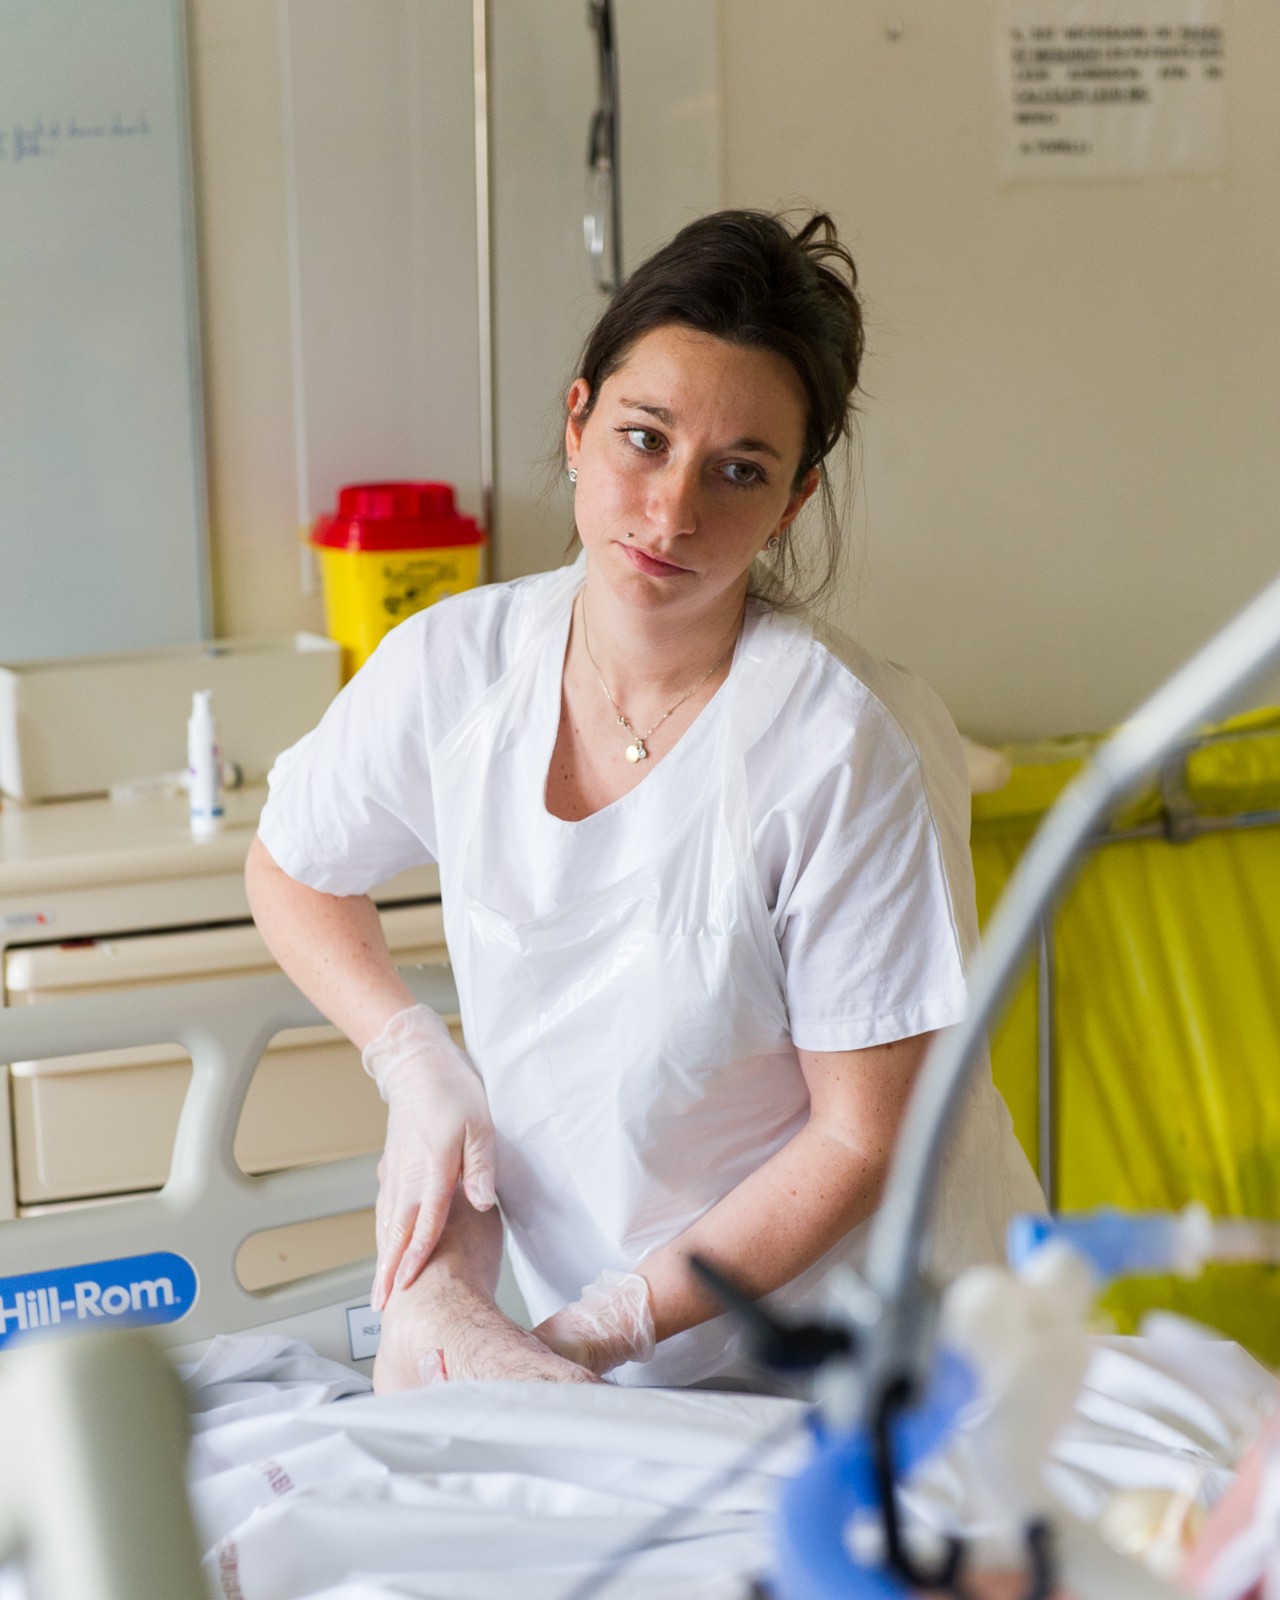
x=450 y=1309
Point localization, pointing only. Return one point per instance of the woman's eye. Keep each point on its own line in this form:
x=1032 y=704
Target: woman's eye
x=743 y=473
x=644 y=440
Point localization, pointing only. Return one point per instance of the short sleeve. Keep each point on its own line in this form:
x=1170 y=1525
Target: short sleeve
x=866 y=861
x=350 y=805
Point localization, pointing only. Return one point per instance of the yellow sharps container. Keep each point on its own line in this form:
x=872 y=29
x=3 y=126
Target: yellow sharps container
x=391 y=550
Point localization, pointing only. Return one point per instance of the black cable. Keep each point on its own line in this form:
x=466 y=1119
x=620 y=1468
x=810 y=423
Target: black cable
x=778 y=1345
x=1041 y=1558
x=895 y=1399
x=1038 y=1534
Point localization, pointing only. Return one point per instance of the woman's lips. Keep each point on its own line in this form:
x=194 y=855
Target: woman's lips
x=655 y=567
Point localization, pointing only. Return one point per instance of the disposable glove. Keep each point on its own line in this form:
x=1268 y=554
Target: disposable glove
x=611 y=1322
x=438 y=1129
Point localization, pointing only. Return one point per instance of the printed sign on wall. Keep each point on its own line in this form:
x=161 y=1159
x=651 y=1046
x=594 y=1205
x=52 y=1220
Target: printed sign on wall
x=1112 y=88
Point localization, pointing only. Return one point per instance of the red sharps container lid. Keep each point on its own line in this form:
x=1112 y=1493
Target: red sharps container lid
x=396 y=516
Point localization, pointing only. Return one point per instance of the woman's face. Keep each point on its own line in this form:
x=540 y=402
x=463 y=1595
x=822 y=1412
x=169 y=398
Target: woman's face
x=686 y=466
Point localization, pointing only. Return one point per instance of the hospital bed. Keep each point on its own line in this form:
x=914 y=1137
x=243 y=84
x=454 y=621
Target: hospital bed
x=299 y=1476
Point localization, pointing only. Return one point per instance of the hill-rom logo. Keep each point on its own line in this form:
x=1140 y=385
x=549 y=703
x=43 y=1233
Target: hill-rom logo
x=132 y=1290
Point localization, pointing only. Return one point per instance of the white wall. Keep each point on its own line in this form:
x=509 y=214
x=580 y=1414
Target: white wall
x=542 y=92
x=1070 y=463
x=384 y=283
x=238 y=116
x=1071 y=472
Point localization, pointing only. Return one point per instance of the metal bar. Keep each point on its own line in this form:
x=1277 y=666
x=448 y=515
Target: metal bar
x=191 y=310
x=301 y=462
x=615 y=151
x=484 y=272
x=1046 y=1067
x=604 y=173
x=1193 y=828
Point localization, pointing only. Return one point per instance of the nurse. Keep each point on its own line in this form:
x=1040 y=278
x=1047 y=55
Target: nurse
x=705 y=872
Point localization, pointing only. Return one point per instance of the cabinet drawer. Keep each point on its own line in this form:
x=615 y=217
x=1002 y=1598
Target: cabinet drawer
x=104 y=1124
x=137 y=960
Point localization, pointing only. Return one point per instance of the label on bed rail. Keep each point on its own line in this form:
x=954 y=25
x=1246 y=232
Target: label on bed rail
x=132 y=1291
x=364 y=1329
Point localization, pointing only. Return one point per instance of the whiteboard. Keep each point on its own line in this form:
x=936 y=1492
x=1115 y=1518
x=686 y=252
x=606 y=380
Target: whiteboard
x=103 y=540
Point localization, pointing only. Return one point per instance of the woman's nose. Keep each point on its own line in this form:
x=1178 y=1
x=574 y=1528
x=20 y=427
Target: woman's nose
x=673 y=503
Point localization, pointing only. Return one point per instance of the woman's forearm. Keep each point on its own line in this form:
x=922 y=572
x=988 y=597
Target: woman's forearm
x=807 y=1196
x=780 y=1220
x=332 y=946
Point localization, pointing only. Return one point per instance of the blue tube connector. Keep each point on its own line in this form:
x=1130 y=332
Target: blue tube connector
x=1117 y=1244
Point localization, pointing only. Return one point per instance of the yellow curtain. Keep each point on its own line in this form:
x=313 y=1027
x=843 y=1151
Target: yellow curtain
x=1167 y=972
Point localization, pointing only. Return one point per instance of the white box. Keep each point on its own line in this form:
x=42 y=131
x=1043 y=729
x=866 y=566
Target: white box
x=75 y=726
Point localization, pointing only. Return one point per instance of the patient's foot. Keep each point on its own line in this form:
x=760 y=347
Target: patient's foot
x=439 y=1320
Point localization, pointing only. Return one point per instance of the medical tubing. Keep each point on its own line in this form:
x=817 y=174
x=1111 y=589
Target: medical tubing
x=812 y=1556
x=780 y=1346
x=1043 y=1561
x=1119 y=1243
x=897 y=1558
x=666 y=1523
x=946 y=1577
x=1199 y=691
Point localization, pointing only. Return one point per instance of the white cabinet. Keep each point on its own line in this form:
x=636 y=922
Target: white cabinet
x=96 y=896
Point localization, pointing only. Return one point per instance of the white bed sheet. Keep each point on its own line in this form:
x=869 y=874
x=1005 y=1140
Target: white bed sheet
x=305 y=1484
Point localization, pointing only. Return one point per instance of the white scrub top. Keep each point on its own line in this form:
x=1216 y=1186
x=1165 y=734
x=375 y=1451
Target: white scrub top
x=793 y=874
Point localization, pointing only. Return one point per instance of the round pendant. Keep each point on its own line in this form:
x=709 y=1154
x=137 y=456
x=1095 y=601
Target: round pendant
x=636 y=751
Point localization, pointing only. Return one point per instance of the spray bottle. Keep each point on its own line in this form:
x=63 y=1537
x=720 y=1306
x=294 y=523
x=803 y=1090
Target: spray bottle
x=204 y=768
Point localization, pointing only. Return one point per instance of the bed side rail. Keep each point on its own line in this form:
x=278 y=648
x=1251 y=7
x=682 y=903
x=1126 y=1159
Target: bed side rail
x=208 y=1207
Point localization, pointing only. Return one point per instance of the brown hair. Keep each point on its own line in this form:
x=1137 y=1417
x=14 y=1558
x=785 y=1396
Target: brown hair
x=749 y=278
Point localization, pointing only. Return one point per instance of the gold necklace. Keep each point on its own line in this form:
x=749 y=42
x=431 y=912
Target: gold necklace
x=637 y=750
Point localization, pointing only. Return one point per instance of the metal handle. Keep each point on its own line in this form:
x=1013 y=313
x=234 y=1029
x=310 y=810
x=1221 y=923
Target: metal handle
x=602 y=217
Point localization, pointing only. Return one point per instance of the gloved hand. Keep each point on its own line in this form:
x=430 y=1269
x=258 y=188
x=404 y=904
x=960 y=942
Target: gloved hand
x=438 y=1129
x=611 y=1322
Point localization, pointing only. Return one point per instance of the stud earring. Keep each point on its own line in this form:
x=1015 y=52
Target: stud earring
x=573 y=474
x=773 y=543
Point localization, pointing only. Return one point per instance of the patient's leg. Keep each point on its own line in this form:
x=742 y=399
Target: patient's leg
x=451 y=1309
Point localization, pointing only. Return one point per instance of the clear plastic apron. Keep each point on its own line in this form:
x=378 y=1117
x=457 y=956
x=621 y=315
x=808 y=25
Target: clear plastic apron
x=631 y=1031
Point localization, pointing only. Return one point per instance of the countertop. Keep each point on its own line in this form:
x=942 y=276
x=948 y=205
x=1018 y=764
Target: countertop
x=77 y=844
